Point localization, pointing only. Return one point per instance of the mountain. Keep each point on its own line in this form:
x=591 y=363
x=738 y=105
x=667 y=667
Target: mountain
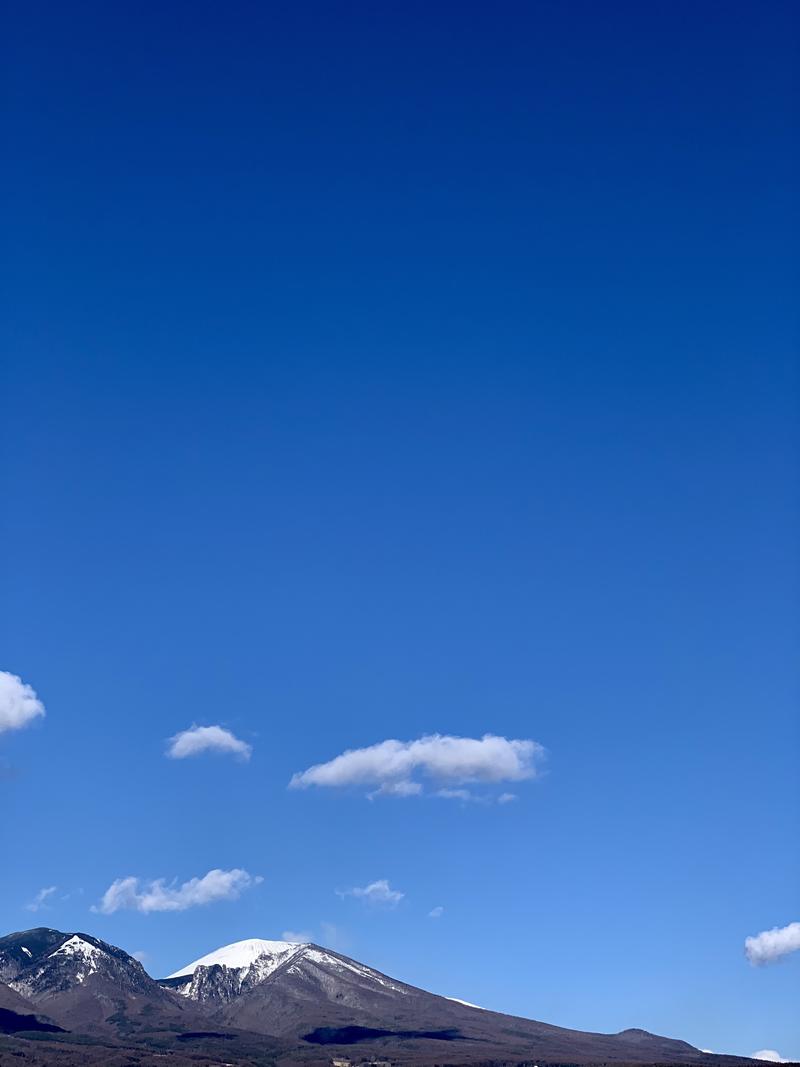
x=317 y=997
x=260 y=1002
x=83 y=983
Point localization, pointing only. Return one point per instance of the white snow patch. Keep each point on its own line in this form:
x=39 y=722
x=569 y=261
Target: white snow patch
x=244 y=954
x=77 y=948
x=466 y=1003
x=27 y=951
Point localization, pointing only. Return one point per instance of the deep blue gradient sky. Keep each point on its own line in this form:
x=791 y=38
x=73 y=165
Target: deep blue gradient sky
x=375 y=370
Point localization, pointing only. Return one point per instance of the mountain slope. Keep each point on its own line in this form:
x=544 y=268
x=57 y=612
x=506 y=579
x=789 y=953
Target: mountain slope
x=18 y=1015
x=316 y=997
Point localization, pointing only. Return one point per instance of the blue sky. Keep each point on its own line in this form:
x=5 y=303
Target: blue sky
x=379 y=372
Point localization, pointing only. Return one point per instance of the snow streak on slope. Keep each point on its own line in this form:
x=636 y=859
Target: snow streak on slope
x=320 y=956
x=241 y=954
x=466 y=1003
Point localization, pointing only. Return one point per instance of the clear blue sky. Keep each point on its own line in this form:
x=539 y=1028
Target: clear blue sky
x=378 y=370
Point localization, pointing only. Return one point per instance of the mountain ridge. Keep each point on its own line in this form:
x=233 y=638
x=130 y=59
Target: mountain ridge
x=280 y=1002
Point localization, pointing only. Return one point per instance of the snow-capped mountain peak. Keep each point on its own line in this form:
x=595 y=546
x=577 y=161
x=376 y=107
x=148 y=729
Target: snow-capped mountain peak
x=242 y=954
x=76 y=946
x=44 y=962
x=229 y=972
x=76 y=949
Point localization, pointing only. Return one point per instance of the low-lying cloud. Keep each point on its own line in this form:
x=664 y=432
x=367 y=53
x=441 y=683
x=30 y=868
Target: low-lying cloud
x=447 y=763
x=379 y=892
x=771 y=945
x=768 y=1054
x=133 y=895
x=19 y=704
x=199 y=739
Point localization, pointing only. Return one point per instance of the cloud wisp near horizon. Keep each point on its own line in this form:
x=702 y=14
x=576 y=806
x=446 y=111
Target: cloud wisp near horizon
x=444 y=762
x=158 y=895
x=297 y=937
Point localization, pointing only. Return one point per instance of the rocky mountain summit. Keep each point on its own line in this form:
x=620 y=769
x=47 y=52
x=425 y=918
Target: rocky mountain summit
x=81 y=982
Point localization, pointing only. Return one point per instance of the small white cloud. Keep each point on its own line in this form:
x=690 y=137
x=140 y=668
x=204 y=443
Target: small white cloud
x=768 y=1054
x=506 y=798
x=771 y=945
x=41 y=898
x=436 y=913
x=297 y=937
x=199 y=739
x=19 y=704
x=140 y=955
x=379 y=892
x=449 y=763
x=127 y=893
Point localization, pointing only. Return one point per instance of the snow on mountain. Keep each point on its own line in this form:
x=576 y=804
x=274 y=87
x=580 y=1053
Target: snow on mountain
x=255 y=959
x=341 y=963
x=222 y=976
x=81 y=952
x=242 y=954
x=466 y=1003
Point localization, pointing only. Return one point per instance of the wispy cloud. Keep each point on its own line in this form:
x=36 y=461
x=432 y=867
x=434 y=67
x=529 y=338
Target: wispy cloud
x=334 y=937
x=199 y=739
x=771 y=945
x=379 y=892
x=403 y=788
x=129 y=893
x=448 y=763
x=19 y=704
x=455 y=794
x=436 y=913
x=41 y=898
x=141 y=955
x=768 y=1054
x=300 y=937
x=467 y=796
